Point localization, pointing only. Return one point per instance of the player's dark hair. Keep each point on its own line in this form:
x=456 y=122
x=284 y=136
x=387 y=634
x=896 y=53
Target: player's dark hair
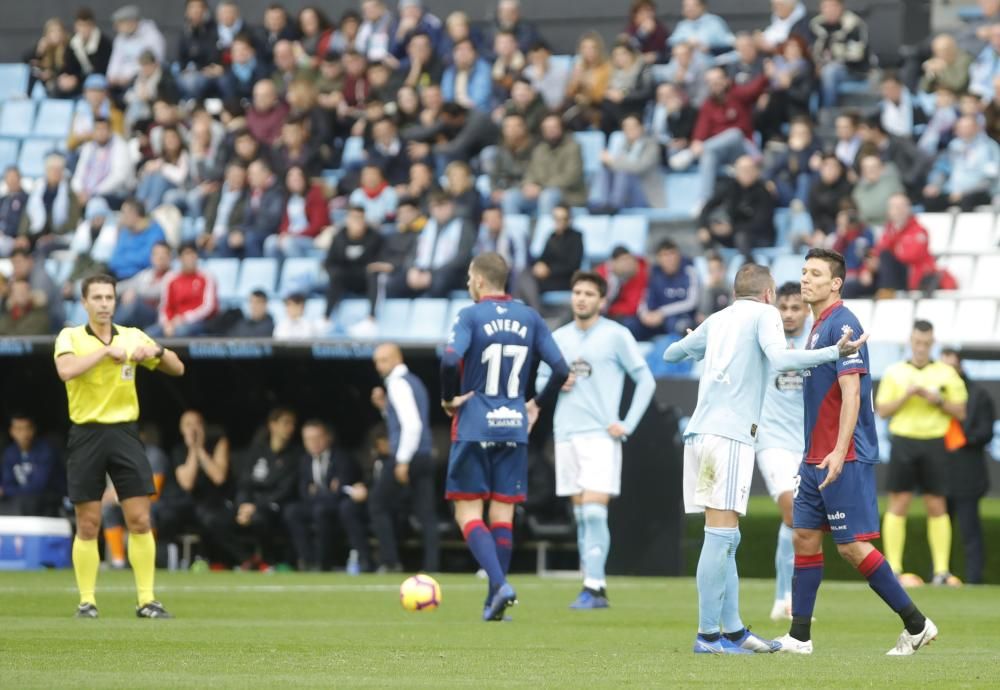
x=789 y=289
x=492 y=268
x=98 y=279
x=751 y=280
x=835 y=260
x=923 y=326
x=590 y=277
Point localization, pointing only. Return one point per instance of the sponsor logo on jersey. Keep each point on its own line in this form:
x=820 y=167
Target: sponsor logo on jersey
x=789 y=382
x=504 y=417
x=839 y=515
x=581 y=369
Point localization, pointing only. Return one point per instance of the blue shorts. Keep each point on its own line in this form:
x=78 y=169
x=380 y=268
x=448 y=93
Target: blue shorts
x=487 y=471
x=848 y=508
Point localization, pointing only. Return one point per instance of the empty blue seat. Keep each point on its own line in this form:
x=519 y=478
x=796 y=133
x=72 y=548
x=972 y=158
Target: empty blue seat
x=16 y=118
x=354 y=152
x=591 y=146
x=315 y=308
x=299 y=274
x=556 y=298
x=428 y=320
x=393 y=319
x=257 y=274
x=53 y=118
x=596 y=236
x=562 y=62
x=226 y=273
x=349 y=312
x=8 y=152
x=543 y=228
x=683 y=191
x=31 y=160
x=787 y=268
x=518 y=223
x=76 y=315
x=455 y=306
x=13 y=81
x=631 y=232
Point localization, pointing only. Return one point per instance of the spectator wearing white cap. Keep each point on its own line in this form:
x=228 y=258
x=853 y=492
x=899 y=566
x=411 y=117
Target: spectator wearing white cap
x=99 y=105
x=133 y=36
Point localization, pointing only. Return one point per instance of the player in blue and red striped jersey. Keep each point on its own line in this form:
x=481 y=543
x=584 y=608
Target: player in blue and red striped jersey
x=836 y=483
x=484 y=373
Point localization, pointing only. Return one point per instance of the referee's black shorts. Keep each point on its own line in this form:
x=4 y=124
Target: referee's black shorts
x=96 y=450
x=918 y=464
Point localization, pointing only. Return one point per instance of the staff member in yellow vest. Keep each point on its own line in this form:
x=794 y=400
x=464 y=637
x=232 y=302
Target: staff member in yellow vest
x=98 y=362
x=922 y=397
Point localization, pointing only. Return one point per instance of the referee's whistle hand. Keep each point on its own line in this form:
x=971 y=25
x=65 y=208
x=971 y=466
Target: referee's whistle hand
x=117 y=354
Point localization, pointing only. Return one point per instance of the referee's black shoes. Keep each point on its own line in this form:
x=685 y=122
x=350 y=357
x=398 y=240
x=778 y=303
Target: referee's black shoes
x=153 y=609
x=87 y=610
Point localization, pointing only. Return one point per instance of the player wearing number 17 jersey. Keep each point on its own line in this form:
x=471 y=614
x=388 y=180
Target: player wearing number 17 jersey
x=484 y=372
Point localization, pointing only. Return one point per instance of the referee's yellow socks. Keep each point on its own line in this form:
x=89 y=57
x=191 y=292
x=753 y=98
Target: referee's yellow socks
x=939 y=539
x=86 y=562
x=894 y=539
x=142 y=556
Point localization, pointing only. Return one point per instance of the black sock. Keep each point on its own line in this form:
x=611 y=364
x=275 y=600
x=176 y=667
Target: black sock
x=801 y=628
x=709 y=637
x=734 y=636
x=913 y=619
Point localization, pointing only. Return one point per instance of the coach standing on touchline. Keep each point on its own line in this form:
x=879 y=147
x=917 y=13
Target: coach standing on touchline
x=98 y=362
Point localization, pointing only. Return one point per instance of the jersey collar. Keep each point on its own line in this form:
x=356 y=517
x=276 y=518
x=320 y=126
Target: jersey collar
x=90 y=332
x=826 y=312
x=496 y=298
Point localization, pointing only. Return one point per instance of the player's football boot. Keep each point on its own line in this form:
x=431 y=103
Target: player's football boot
x=719 y=646
x=781 y=611
x=757 y=644
x=945 y=580
x=505 y=596
x=87 y=610
x=486 y=605
x=590 y=599
x=790 y=645
x=153 y=609
x=908 y=644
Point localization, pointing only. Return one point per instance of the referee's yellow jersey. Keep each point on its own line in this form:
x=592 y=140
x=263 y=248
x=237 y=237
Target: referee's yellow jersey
x=105 y=394
x=918 y=418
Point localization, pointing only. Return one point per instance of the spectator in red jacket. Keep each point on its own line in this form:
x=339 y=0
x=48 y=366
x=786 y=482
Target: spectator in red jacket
x=267 y=113
x=627 y=275
x=903 y=253
x=306 y=216
x=189 y=299
x=724 y=129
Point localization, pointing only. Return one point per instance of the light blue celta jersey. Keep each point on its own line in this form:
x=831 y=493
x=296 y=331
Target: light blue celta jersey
x=599 y=357
x=781 y=420
x=739 y=344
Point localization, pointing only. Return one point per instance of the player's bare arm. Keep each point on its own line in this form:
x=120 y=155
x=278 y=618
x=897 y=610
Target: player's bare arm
x=69 y=366
x=170 y=364
x=850 y=394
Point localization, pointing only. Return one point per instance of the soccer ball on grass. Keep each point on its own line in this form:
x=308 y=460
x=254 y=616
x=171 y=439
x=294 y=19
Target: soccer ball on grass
x=420 y=593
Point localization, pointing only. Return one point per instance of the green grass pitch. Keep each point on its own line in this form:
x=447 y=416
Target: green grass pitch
x=242 y=630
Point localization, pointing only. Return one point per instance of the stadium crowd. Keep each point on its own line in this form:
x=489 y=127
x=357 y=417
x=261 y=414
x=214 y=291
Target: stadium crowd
x=394 y=145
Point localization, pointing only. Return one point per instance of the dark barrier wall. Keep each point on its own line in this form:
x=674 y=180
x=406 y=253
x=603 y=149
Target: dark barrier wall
x=561 y=21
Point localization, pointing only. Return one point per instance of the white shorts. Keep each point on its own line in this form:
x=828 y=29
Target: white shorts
x=589 y=462
x=778 y=467
x=717 y=473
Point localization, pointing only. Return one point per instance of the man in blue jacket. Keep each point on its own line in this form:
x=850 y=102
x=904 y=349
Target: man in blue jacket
x=672 y=296
x=30 y=483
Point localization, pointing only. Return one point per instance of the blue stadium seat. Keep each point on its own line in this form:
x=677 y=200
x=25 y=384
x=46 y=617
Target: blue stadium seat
x=591 y=146
x=54 y=118
x=226 y=273
x=13 y=81
x=8 y=152
x=456 y=305
x=556 y=298
x=393 y=319
x=543 y=228
x=518 y=223
x=315 y=308
x=58 y=270
x=349 y=312
x=257 y=274
x=16 y=118
x=596 y=236
x=427 y=320
x=354 y=152
x=683 y=190
x=299 y=274
x=483 y=186
x=31 y=161
x=564 y=62
x=631 y=232
x=76 y=315
x=787 y=267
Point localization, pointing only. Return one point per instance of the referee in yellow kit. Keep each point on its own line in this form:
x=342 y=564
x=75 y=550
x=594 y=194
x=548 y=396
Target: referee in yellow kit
x=98 y=362
x=922 y=397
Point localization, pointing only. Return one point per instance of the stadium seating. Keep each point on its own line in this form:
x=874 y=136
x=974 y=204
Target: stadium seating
x=54 y=118
x=591 y=146
x=393 y=317
x=940 y=312
x=543 y=228
x=354 y=152
x=31 y=161
x=962 y=267
x=596 y=231
x=984 y=281
x=974 y=322
x=973 y=233
x=428 y=320
x=892 y=320
x=455 y=306
x=683 y=190
x=300 y=274
x=862 y=308
x=226 y=274
x=8 y=153
x=13 y=81
x=787 y=267
x=939 y=226
x=631 y=232
x=349 y=312
x=16 y=118
x=257 y=274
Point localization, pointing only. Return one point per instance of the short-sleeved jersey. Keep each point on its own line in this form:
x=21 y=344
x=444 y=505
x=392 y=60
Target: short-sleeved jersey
x=781 y=418
x=822 y=392
x=599 y=358
x=497 y=340
x=735 y=374
x=105 y=394
x=918 y=418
